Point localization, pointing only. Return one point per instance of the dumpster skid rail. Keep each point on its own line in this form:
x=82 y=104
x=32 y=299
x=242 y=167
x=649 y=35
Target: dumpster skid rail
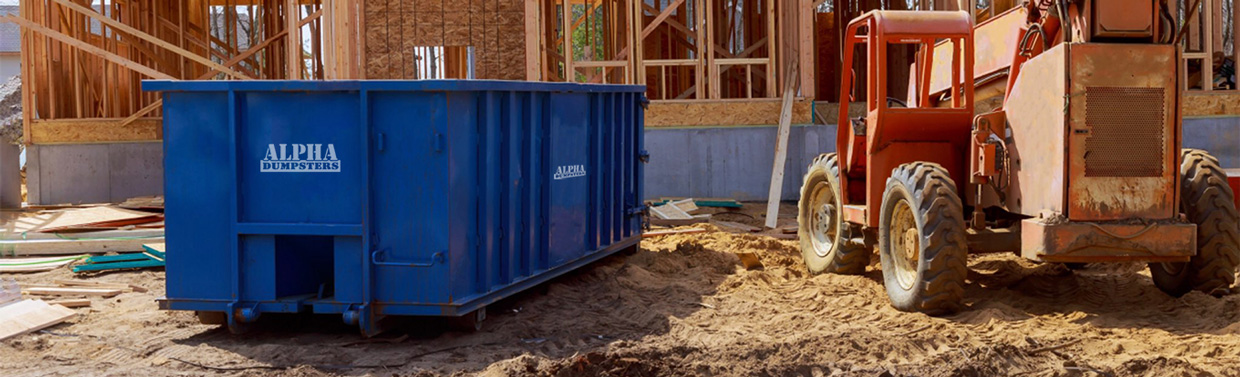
x=375 y=198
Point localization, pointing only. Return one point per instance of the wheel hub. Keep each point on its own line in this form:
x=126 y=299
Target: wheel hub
x=824 y=220
x=906 y=245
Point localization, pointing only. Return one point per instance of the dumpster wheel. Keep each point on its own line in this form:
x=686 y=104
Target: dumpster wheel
x=1207 y=200
x=823 y=233
x=921 y=240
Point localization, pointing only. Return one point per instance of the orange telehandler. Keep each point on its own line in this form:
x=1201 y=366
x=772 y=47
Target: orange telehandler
x=1080 y=162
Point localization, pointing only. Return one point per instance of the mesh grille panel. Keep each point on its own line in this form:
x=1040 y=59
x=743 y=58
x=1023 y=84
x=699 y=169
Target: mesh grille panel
x=1126 y=133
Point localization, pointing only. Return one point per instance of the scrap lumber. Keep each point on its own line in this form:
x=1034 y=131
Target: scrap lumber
x=658 y=233
x=107 y=216
x=152 y=256
x=705 y=202
x=781 y=152
x=9 y=291
x=694 y=219
x=72 y=291
x=71 y=246
x=71 y=303
x=11 y=265
x=27 y=316
x=143 y=203
x=670 y=212
x=99 y=284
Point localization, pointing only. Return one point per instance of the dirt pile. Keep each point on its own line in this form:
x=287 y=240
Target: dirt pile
x=683 y=306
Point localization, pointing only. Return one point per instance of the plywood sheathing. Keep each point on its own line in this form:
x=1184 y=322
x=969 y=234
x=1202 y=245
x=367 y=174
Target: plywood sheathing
x=494 y=28
x=723 y=113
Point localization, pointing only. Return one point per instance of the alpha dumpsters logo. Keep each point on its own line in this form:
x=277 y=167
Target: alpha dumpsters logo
x=569 y=171
x=300 y=158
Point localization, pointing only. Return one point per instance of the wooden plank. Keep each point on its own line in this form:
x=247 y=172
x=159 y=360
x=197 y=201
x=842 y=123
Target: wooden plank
x=28 y=316
x=118 y=265
x=658 y=233
x=781 y=154
x=533 y=41
x=11 y=265
x=697 y=219
x=69 y=247
x=295 y=58
x=89 y=48
x=72 y=291
x=93 y=216
x=669 y=212
x=99 y=284
x=71 y=303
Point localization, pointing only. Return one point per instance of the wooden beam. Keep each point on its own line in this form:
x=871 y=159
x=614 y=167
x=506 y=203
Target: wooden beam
x=117 y=25
x=570 y=75
x=231 y=62
x=781 y=153
x=87 y=47
x=295 y=59
x=533 y=42
x=667 y=12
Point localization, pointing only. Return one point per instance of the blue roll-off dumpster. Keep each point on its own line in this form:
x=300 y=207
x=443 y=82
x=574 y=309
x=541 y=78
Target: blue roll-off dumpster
x=379 y=198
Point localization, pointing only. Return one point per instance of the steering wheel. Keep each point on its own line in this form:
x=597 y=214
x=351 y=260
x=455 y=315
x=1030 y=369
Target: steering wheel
x=896 y=101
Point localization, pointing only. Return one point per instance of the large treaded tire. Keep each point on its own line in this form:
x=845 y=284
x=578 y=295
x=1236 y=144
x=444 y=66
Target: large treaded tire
x=846 y=257
x=1208 y=201
x=935 y=284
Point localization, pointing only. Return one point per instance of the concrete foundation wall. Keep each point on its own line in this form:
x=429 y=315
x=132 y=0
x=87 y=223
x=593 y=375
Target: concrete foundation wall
x=93 y=173
x=736 y=162
x=732 y=162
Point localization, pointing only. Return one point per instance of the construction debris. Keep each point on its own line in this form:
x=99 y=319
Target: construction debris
x=11 y=265
x=30 y=315
x=676 y=213
x=658 y=233
x=152 y=256
x=9 y=291
x=705 y=202
x=93 y=218
x=71 y=291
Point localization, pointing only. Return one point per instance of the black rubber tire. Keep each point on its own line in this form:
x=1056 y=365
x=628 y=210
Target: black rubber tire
x=938 y=280
x=850 y=258
x=1207 y=201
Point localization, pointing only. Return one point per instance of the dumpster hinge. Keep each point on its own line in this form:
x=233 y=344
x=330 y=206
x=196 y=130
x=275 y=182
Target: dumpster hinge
x=644 y=102
x=643 y=156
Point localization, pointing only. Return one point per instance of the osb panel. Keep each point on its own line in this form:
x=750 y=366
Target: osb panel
x=95 y=131
x=723 y=113
x=495 y=28
x=1204 y=104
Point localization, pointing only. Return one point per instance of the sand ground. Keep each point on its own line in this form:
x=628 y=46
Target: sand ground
x=683 y=305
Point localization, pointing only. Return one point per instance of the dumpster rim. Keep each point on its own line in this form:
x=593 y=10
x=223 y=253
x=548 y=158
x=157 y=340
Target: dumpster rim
x=383 y=85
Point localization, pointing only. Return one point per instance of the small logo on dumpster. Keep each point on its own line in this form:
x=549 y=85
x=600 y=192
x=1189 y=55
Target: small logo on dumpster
x=300 y=158
x=569 y=171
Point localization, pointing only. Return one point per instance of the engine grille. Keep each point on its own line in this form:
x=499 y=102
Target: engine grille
x=1127 y=136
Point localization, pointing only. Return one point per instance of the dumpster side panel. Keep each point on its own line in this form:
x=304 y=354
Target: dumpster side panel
x=298 y=148
x=408 y=192
x=196 y=187
x=570 y=186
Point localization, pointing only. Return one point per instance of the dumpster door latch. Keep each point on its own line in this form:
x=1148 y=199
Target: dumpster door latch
x=379 y=258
